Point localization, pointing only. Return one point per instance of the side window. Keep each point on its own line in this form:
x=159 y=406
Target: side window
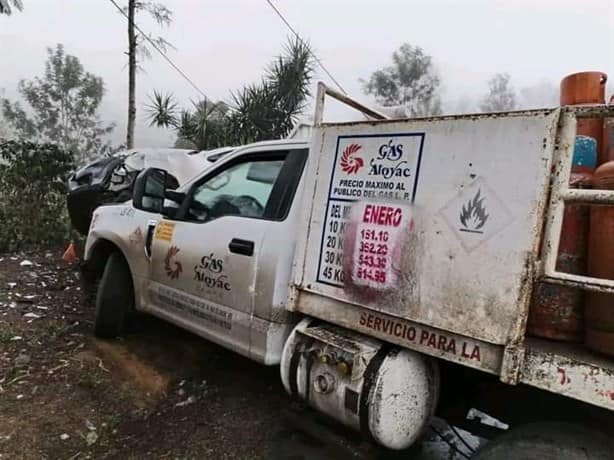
x=240 y=190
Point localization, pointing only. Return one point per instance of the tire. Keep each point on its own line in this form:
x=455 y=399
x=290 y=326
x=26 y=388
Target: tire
x=114 y=299
x=548 y=441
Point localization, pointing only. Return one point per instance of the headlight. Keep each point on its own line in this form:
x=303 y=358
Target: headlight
x=121 y=177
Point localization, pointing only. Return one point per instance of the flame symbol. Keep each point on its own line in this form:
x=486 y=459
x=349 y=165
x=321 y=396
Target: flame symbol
x=473 y=215
x=172 y=273
x=350 y=164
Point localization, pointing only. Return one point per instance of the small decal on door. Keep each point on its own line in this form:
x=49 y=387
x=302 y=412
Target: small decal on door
x=172 y=267
x=164 y=231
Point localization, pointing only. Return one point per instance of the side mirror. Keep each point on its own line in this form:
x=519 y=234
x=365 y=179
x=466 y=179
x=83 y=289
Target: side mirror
x=149 y=190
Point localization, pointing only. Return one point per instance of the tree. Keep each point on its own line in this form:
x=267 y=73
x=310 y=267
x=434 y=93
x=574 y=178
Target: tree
x=136 y=45
x=269 y=109
x=203 y=127
x=5 y=6
x=501 y=96
x=410 y=81
x=5 y=130
x=261 y=111
x=33 y=195
x=63 y=105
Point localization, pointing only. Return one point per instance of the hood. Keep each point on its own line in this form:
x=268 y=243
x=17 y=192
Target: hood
x=181 y=163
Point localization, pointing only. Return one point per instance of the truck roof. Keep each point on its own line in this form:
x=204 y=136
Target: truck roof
x=274 y=143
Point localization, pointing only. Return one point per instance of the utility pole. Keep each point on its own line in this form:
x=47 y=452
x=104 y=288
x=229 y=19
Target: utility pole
x=131 y=75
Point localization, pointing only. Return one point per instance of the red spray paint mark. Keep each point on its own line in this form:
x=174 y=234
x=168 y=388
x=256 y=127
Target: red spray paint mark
x=606 y=394
x=564 y=378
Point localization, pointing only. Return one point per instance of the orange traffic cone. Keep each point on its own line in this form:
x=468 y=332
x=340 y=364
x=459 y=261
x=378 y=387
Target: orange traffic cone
x=70 y=255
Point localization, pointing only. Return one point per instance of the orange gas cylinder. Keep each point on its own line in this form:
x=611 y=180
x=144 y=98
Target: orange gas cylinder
x=586 y=88
x=600 y=307
x=556 y=311
x=607 y=149
x=583 y=88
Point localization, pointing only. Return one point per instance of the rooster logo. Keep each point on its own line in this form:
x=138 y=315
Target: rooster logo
x=172 y=268
x=350 y=162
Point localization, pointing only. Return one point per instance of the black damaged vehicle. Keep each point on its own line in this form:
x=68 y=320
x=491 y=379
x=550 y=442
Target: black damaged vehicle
x=111 y=179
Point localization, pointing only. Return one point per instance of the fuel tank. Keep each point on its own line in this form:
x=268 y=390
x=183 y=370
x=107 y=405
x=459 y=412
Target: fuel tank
x=387 y=393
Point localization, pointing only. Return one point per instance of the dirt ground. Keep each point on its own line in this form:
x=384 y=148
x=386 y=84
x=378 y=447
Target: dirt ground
x=159 y=393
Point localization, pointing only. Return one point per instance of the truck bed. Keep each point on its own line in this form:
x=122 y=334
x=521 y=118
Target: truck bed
x=431 y=234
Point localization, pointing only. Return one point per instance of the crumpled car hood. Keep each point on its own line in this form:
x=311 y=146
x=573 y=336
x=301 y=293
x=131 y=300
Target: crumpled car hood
x=110 y=180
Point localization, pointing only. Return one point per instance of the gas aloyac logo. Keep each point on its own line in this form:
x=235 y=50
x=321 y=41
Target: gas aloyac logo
x=350 y=161
x=473 y=215
x=172 y=267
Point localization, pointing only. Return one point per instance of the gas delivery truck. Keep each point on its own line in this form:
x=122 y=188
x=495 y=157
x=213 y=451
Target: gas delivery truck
x=388 y=266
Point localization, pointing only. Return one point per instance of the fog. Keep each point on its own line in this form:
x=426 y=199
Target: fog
x=223 y=45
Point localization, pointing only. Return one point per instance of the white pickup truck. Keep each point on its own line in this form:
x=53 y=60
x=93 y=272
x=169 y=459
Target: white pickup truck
x=387 y=266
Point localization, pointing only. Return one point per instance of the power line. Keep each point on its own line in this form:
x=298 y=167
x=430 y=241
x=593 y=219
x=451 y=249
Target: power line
x=162 y=53
x=281 y=16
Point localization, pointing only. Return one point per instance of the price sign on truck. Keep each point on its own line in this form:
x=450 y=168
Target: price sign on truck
x=368 y=170
x=373 y=256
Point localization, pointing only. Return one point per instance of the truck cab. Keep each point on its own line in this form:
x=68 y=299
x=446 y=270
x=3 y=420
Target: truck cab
x=216 y=260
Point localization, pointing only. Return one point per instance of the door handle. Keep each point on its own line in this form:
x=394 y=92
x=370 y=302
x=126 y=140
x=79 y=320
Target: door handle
x=243 y=247
x=151 y=225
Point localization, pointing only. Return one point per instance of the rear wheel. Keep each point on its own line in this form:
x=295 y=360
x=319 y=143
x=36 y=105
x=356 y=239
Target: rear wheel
x=114 y=299
x=548 y=441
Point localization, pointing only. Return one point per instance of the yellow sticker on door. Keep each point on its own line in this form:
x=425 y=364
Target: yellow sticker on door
x=164 y=231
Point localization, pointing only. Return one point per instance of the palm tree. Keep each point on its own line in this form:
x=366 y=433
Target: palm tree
x=269 y=110
x=5 y=6
x=261 y=111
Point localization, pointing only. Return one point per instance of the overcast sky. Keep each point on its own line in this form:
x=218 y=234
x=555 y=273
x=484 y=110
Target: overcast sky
x=222 y=45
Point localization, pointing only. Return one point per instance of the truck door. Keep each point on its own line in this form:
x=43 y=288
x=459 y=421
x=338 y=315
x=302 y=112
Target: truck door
x=204 y=263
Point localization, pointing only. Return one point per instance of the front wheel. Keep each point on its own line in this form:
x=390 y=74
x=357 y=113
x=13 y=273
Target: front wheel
x=548 y=441
x=114 y=299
